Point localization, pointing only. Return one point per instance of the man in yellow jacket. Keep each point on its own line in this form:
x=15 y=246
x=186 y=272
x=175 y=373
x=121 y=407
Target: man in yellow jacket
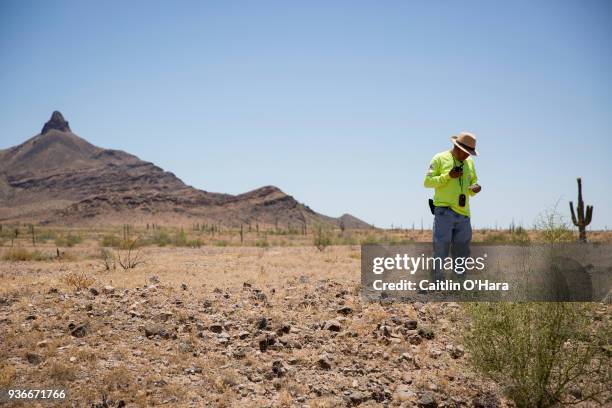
x=453 y=176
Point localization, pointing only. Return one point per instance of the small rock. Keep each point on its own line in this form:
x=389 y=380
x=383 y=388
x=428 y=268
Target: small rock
x=134 y=313
x=575 y=392
x=426 y=333
x=278 y=368
x=108 y=290
x=42 y=343
x=262 y=323
x=266 y=341
x=243 y=335
x=31 y=317
x=283 y=329
x=154 y=279
x=427 y=400
x=73 y=359
x=358 y=397
x=324 y=362
x=78 y=330
x=164 y=316
x=345 y=310
x=333 y=325
x=94 y=291
x=403 y=393
x=457 y=352
x=193 y=370
x=185 y=347
x=152 y=330
x=33 y=358
x=184 y=286
x=215 y=328
x=384 y=330
x=487 y=400
x=410 y=324
x=415 y=339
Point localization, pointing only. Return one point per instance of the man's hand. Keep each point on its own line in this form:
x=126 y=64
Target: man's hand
x=455 y=173
x=475 y=188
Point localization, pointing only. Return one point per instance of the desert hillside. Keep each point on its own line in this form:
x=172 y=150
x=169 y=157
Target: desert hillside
x=57 y=177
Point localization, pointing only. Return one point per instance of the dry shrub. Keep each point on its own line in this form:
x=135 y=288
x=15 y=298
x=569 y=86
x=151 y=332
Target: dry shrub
x=78 y=280
x=23 y=254
x=225 y=380
x=130 y=257
x=108 y=260
x=285 y=399
x=7 y=375
x=60 y=372
x=118 y=378
x=87 y=355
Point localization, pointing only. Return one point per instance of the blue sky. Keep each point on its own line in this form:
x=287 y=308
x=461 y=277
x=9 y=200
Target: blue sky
x=339 y=103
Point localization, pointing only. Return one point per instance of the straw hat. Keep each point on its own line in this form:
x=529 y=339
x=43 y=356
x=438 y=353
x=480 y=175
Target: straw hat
x=466 y=142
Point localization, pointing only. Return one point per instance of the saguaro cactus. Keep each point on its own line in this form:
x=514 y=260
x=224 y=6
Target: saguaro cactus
x=583 y=218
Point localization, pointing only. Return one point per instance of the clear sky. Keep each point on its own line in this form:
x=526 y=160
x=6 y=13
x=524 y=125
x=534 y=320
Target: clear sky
x=339 y=103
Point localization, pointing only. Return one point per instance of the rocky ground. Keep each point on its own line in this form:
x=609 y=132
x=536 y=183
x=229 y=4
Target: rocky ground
x=230 y=327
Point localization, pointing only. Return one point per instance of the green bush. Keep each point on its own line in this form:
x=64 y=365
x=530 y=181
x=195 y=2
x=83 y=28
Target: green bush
x=161 y=238
x=262 y=243
x=540 y=351
x=181 y=240
x=345 y=239
x=552 y=228
x=370 y=239
x=519 y=236
x=111 y=241
x=322 y=238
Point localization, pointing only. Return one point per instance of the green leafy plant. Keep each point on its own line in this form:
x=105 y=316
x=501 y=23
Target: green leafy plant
x=540 y=351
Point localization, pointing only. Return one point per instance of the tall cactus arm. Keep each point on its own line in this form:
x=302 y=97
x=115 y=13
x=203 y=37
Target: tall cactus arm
x=589 y=215
x=573 y=215
x=580 y=205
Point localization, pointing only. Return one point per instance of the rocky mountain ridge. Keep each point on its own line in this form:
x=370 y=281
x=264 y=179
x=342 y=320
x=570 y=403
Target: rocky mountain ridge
x=58 y=177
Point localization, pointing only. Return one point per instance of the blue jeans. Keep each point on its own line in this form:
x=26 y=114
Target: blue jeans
x=450 y=231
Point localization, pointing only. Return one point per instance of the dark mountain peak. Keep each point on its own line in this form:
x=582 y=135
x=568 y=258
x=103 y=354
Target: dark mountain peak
x=56 y=122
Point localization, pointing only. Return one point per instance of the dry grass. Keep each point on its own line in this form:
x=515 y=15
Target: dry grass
x=60 y=372
x=8 y=375
x=24 y=254
x=78 y=280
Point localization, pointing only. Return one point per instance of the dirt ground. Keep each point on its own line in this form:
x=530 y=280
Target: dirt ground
x=228 y=326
